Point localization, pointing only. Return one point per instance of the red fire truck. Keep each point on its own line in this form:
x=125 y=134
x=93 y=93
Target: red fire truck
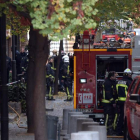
x=91 y=65
x=109 y=34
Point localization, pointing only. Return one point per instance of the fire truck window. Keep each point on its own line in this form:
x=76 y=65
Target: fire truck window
x=107 y=65
x=104 y=65
x=110 y=31
x=133 y=86
x=138 y=89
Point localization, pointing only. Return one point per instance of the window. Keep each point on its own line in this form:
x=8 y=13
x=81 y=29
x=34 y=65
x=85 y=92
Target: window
x=133 y=86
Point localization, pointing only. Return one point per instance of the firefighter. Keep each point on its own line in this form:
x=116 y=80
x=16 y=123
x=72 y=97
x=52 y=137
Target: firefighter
x=22 y=53
x=108 y=101
x=54 y=61
x=24 y=66
x=50 y=79
x=66 y=78
x=61 y=84
x=8 y=66
x=18 y=62
x=122 y=88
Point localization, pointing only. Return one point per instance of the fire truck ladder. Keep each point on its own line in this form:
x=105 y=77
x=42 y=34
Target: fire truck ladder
x=86 y=40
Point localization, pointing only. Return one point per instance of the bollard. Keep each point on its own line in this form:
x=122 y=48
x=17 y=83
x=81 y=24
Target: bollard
x=86 y=124
x=85 y=136
x=51 y=127
x=69 y=115
x=65 y=121
x=59 y=129
x=73 y=122
x=100 y=129
x=80 y=121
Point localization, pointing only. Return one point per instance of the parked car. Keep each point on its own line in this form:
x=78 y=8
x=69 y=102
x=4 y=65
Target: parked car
x=132 y=112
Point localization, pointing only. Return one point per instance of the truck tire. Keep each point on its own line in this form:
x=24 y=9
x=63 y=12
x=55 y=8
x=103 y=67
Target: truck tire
x=126 y=133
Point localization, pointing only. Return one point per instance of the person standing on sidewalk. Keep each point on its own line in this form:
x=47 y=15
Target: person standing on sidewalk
x=66 y=78
x=122 y=90
x=108 y=101
x=50 y=79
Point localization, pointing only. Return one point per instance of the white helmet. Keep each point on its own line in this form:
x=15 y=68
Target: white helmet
x=128 y=71
x=65 y=58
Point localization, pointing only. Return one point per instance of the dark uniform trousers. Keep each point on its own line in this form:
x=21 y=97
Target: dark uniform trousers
x=50 y=81
x=67 y=84
x=120 y=124
x=67 y=80
x=50 y=88
x=122 y=88
x=108 y=116
x=109 y=111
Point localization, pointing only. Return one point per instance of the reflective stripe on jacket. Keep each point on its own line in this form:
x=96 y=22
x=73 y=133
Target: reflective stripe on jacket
x=122 y=88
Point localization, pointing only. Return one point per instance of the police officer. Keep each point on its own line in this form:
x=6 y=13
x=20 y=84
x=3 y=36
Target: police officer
x=66 y=78
x=108 y=101
x=50 y=79
x=122 y=88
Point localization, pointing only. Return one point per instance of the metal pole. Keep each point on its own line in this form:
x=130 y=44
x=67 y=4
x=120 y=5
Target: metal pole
x=13 y=59
x=3 y=87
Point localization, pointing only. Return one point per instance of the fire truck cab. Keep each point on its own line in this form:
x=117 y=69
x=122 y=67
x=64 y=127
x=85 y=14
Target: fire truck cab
x=92 y=62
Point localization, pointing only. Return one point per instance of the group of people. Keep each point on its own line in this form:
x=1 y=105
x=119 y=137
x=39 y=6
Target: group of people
x=22 y=61
x=65 y=79
x=114 y=96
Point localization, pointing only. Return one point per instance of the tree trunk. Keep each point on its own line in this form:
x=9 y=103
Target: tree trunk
x=38 y=46
x=57 y=68
x=41 y=55
x=30 y=84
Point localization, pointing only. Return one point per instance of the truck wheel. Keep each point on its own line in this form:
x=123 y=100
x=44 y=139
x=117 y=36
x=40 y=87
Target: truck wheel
x=126 y=133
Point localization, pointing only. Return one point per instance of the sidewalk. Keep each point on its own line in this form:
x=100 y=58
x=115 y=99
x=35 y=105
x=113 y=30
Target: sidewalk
x=54 y=108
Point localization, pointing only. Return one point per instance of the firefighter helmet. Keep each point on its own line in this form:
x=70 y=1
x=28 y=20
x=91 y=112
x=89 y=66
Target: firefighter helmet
x=65 y=58
x=128 y=71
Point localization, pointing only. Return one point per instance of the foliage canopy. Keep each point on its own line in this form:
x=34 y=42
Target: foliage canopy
x=60 y=18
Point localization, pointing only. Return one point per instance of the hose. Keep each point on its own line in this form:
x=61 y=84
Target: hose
x=18 y=121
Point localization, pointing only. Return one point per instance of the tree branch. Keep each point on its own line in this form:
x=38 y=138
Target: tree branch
x=20 y=13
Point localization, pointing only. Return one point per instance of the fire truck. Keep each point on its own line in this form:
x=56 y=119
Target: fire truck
x=109 y=34
x=92 y=62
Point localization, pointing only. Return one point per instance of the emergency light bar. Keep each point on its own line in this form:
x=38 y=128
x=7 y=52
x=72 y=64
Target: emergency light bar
x=83 y=80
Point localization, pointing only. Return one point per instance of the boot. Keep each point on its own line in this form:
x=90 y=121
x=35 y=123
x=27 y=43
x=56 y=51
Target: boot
x=111 y=132
x=70 y=99
x=50 y=98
